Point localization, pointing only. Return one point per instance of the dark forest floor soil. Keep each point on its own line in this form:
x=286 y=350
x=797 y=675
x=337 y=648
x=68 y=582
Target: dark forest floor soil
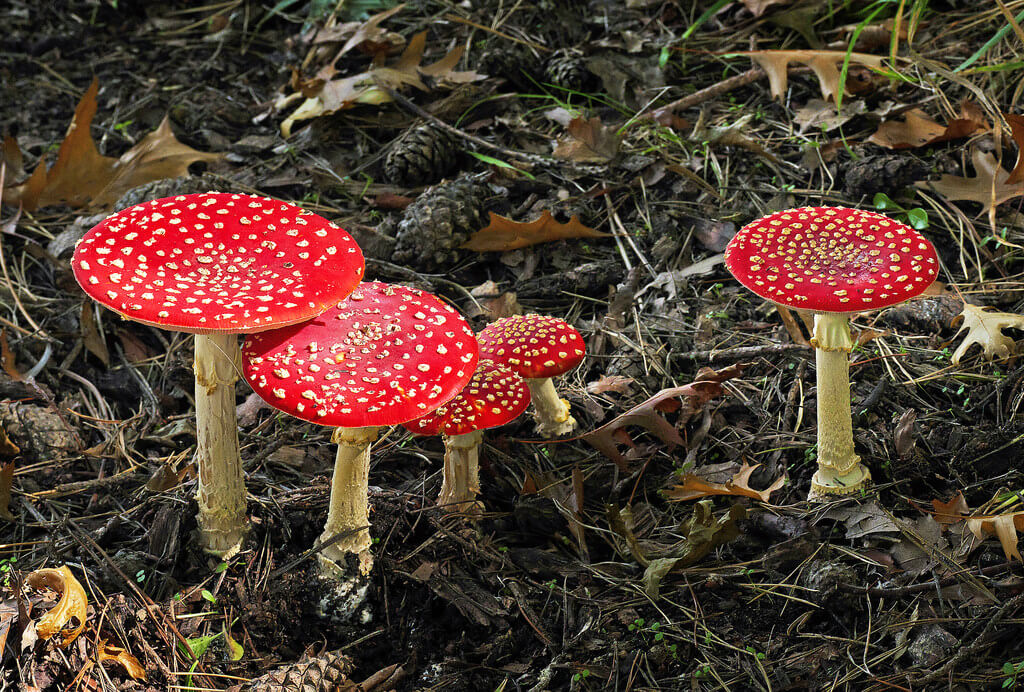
x=548 y=591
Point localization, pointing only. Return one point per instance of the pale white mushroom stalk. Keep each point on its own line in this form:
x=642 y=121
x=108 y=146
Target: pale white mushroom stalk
x=221 y=484
x=460 y=484
x=346 y=532
x=840 y=470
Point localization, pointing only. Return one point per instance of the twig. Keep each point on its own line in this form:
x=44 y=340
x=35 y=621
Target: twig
x=711 y=92
x=740 y=352
x=897 y=591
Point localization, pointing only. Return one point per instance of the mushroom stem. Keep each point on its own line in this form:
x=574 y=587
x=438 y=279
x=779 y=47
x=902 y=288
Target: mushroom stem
x=550 y=412
x=221 y=489
x=349 y=509
x=461 y=482
x=839 y=469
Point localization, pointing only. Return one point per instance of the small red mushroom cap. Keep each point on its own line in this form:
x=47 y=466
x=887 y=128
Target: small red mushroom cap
x=832 y=259
x=534 y=346
x=217 y=262
x=383 y=356
x=494 y=396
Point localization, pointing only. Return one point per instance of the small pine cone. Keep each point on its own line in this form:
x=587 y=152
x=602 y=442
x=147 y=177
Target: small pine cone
x=567 y=68
x=169 y=187
x=868 y=175
x=325 y=673
x=515 y=63
x=438 y=222
x=421 y=155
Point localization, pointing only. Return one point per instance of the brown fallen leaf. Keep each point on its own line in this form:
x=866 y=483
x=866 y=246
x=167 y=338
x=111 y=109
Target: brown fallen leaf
x=757 y=7
x=111 y=652
x=90 y=332
x=708 y=385
x=589 y=141
x=951 y=512
x=694 y=487
x=917 y=129
x=6 y=481
x=7 y=358
x=989 y=187
x=72 y=603
x=81 y=176
x=824 y=64
x=619 y=384
x=503 y=234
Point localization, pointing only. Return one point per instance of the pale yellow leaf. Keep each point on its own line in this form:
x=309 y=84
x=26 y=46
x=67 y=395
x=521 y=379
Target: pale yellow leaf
x=112 y=652
x=824 y=63
x=986 y=329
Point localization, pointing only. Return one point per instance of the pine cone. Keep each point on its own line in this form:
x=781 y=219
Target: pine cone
x=567 y=68
x=421 y=155
x=169 y=187
x=514 y=62
x=881 y=173
x=325 y=673
x=438 y=222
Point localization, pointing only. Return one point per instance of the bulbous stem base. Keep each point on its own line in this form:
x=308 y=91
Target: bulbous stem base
x=550 y=412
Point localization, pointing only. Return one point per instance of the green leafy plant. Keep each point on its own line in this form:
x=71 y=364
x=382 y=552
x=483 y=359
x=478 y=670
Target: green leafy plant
x=916 y=218
x=1012 y=670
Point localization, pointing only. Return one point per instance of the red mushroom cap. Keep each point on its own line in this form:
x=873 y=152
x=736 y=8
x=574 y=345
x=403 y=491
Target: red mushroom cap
x=535 y=346
x=217 y=262
x=494 y=396
x=832 y=259
x=383 y=356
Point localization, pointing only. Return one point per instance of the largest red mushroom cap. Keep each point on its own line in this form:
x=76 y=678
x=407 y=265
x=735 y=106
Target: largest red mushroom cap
x=494 y=396
x=535 y=346
x=217 y=262
x=383 y=356
x=832 y=259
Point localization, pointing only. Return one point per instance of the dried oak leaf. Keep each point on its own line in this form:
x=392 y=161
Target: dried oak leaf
x=371 y=87
x=986 y=329
x=990 y=187
x=72 y=603
x=917 y=129
x=951 y=512
x=824 y=63
x=1002 y=526
x=693 y=486
x=111 y=652
x=708 y=385
x=503 y=234
x=589 y=141
x=1016 y=123
x=82 y=176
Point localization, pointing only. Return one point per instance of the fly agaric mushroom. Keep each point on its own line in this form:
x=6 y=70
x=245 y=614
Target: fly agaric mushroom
x=217 y=265
x=494 y=396
x=383 y=356
x=537 y=348
x=832 y=261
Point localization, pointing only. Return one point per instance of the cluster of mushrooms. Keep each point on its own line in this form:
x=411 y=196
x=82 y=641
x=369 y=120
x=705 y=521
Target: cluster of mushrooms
x=320 y=344
x=327 y=347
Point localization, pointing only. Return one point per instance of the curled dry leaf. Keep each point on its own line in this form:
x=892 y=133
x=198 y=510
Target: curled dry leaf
x=824 y=63
x=1002 y=526
x=72 y=603
x=112 y=652
x=917 y=129
x=82 y=176
x=707 y=386
x=694 y=486
x=951 y=512
x=986 y=329
x=503 y=234
x=6 y=481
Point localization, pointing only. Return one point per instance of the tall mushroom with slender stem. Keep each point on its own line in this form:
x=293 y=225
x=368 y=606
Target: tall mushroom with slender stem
x=383 y=356
x=494 y=396
x=832 y=261
x=538 y=348
x=217 y=265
